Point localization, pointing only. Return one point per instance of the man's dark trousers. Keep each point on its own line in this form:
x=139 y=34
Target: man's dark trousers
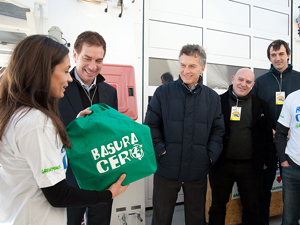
x=165 y=194
x=265 y=195
x=222 y=179
x=100 y=212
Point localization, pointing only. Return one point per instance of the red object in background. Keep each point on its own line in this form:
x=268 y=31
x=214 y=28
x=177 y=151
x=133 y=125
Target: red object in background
x=122 y=78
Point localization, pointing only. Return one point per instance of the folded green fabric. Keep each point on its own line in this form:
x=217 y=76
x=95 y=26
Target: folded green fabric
x=106 y=144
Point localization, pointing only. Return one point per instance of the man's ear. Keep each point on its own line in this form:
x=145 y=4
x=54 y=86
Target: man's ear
x=74 y=55
x=202 y=69
x=232 y=79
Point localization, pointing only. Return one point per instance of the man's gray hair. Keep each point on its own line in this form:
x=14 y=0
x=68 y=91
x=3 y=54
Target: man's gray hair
x=194 y=50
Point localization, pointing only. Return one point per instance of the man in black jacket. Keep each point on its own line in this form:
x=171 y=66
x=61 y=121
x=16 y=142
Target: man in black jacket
x=274 y=87
x=246 y=147
x=186 y=125
x=87 y=88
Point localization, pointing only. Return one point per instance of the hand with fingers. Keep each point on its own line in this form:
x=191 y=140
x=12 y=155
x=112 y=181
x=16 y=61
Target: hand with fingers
x=84 y=112
x=116 y=188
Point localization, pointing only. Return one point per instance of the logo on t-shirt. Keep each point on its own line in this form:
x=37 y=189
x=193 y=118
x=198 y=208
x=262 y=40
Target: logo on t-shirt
x=51 y=169
x=64 y=159
x=298 y=117
x=64 y=162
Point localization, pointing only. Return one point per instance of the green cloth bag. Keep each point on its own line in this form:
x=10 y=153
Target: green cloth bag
x=106 y=144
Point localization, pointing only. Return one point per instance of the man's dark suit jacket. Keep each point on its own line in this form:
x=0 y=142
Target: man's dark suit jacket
x=262 y=136
x=70 y=105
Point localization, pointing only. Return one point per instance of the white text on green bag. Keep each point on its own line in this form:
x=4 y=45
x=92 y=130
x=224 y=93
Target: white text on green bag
x=116 y=161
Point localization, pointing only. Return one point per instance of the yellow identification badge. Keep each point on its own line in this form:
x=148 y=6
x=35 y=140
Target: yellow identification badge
x=280 y=97
x=236 y=113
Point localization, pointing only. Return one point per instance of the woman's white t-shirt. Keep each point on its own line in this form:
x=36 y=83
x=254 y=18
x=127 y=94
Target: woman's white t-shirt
x=31 y=157
x=290 y=117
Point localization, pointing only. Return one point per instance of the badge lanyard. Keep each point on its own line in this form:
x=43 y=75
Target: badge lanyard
x=279 y=96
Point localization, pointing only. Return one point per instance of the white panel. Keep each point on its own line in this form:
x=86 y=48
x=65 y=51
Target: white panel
x=228 y=44
x=187 y=7
x=173 y=36
x=279 y=2
x=11 y=24
x=4 y=59
x=259 y=48
x=22 y=3
x=228 y=12
x=266 y=20
x=268 y=4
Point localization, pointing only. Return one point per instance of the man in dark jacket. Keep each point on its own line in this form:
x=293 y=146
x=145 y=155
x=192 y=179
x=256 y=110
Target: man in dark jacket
x=187 y=127
x=246 y=147
x=87 y=88
x=274 y=87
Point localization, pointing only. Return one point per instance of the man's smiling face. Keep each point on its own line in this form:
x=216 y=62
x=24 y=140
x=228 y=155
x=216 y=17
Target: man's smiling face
x=190 y=69
x=89 y=62
x=279 y=58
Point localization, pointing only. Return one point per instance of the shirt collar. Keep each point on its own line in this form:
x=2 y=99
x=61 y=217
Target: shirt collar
x=276 y=72
x=83 y=84
x=235 y=97
x=193 y=88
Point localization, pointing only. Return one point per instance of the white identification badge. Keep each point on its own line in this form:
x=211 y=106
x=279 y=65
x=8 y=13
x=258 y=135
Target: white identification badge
x=236 y=113
x=280 y=97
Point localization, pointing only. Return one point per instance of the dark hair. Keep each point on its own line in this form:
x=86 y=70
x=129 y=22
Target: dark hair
x=90 y=38
x=27 y=81
x=195 y=50
x=276 y=46
x=167 y=77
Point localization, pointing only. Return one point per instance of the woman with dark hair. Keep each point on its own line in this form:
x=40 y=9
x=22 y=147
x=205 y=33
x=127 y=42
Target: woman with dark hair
x=33 y=160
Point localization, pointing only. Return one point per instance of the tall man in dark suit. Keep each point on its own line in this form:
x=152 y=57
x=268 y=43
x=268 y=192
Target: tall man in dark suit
x=246 y=148
x=87 y=88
